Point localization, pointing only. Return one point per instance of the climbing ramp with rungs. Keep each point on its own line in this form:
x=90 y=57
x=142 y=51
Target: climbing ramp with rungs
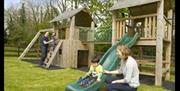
x=51 y=54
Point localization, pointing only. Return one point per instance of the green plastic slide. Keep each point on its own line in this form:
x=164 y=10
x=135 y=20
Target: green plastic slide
x=109 y=61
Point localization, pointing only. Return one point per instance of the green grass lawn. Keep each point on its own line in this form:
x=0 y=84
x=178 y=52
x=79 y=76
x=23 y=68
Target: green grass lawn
x=24 y=76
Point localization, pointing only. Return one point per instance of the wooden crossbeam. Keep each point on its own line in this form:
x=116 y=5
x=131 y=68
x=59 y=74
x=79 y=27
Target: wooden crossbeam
x=47 y=30
x=147 y=73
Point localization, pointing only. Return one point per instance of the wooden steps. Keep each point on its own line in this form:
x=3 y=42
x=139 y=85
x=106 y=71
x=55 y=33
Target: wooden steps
x=52 y=54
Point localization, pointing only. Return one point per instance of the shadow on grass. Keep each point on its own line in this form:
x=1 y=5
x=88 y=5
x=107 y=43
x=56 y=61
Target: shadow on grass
x=36 y=62
x=149 y=80
x=83 y=68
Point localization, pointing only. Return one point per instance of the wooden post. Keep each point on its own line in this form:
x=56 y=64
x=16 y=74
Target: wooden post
x=140 y=56
x=113 y=27
x=168 y=50
x=72 y=28
x=91 y=45
x=117 y=33
x=120 y=29
x=146 y=27
x=159 y=42
x=153 y=28
x=124 y=28
x=149 y=24
x=71 y=49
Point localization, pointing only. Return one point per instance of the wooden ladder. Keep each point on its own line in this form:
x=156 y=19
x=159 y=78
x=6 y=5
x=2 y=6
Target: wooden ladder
x=52 y=54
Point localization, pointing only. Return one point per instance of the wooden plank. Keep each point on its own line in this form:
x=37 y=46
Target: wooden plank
x=145 y=62
x=153 y=28
x=168 y=46
x=166 y=32
x=146 y=27
x=147 y=38
x=114 y=15
x=146 y=73
x=117 y=34
x=29 y=46
x=47 y=30
x=72 y=28
x=149 y=61
x=95 y=42
x=146 y=42
x=159 y=46
x=30 y=58
x=120 y=29
x=91 y=46
x=123 y=28
x=150 y=29
x=64 y=50
x=67 y=33
x=136 y=17
x=53 y=54
x=74 y=54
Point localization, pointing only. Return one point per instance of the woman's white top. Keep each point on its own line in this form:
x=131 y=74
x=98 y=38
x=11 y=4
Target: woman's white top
x=130 y=71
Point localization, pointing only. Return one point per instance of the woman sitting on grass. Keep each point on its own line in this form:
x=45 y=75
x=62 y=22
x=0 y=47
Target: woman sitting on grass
x=129 y=70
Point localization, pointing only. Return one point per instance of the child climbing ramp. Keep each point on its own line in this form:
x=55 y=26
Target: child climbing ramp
x=52 y=53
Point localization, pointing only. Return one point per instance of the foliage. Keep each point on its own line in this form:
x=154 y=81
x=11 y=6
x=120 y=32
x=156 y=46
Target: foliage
x=103 y=34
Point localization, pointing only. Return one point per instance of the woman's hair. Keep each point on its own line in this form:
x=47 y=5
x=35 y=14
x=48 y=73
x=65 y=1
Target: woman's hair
x=95 y=59
x=124 y=50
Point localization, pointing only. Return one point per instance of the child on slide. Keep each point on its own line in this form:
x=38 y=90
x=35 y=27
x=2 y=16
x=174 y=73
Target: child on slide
x=94 y=74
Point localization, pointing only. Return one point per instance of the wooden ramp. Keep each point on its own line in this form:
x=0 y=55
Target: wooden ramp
x=52 y=54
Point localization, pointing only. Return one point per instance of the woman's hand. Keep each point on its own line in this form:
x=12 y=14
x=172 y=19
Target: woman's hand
x=98 y=80
x=107 y=72
x=116 y=81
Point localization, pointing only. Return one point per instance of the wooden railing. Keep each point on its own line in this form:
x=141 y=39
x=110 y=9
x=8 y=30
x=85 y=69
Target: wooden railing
x=148 y=28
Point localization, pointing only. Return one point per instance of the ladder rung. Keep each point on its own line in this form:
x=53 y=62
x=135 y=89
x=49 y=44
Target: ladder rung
x=146 y=73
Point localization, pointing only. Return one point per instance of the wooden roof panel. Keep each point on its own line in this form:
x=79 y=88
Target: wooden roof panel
x=130 y=3
x=66 y=15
